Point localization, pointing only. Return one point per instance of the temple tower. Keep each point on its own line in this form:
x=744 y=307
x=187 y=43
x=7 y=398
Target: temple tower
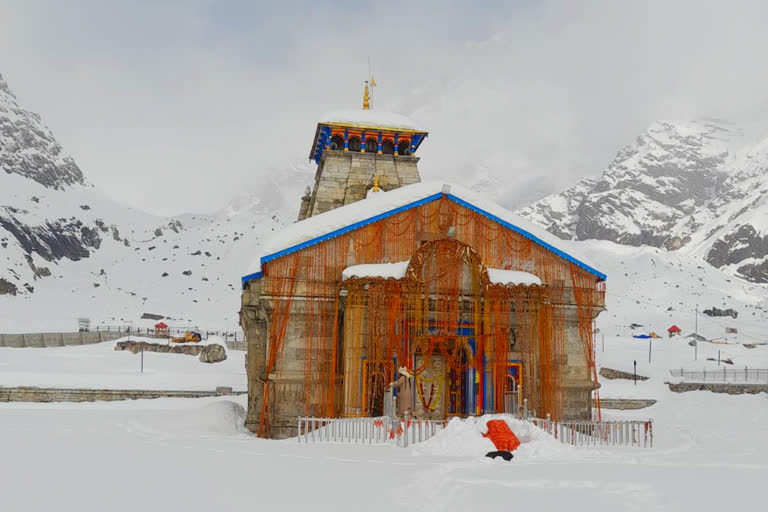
x=351 y=148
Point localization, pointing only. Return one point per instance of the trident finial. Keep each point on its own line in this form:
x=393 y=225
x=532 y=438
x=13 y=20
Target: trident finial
x=366 y=98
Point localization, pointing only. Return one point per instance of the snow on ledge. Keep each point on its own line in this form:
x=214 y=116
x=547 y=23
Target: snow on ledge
x=501 y=276
x=396 y=270
x=370 y=119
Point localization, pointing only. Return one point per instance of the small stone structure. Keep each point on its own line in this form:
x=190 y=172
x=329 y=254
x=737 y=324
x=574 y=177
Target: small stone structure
x=714 y=387
x=212 y=353
x=34 y=394
x=626 y=404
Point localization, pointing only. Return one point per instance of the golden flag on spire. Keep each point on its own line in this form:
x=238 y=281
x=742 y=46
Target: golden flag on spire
x=373 y=81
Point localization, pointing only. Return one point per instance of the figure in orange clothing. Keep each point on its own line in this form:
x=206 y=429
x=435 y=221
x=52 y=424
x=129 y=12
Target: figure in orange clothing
x=503 y=438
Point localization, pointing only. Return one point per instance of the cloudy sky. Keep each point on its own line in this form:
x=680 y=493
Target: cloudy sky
x=180 y=105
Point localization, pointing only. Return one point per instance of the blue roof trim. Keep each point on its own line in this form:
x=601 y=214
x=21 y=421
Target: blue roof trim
x=428 y=199
x=251 y=277
x=347 y=229
x=527 y=235
x=341 y=231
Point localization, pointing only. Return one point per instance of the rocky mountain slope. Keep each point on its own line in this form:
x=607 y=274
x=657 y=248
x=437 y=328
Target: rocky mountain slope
x=683 y=186
x=68 y=251
x=671 y=220
x=28 y=148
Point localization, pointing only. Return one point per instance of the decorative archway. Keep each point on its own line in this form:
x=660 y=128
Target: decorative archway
x=442 y=251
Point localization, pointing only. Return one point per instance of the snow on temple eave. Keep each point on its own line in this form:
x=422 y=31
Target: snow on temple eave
x=370 y=119
x=395 y=270
x=501 y=276
x=347 y=218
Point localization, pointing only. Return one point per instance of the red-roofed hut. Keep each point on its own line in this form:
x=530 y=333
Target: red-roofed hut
x=161 y=329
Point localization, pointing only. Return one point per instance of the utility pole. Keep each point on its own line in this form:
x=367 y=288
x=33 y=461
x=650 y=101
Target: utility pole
x=696 y=335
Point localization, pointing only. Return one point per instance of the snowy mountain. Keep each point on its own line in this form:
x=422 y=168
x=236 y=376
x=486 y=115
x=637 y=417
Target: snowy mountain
x=683 y=186
x=66 y=250
x=649 y=191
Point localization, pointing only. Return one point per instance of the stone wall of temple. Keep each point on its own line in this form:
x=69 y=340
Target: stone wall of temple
x=287 y=397
x=287 y=394
x=344 y=177
x=577 y=378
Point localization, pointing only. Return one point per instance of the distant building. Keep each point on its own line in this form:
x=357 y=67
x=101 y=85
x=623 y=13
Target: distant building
x=161 y=329
x=480 y=305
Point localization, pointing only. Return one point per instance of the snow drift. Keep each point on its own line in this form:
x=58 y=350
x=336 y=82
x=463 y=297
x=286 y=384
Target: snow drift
x=464 y=438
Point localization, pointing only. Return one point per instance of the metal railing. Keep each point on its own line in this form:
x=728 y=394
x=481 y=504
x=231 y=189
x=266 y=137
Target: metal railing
x=380 y=430
x=402 y=432
x=724 y=375
x=598 y=433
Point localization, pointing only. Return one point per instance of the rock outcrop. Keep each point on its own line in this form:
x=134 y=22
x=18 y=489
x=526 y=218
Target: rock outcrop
x=142 y=346
x=213 y=354
x=713 y=311
x=29 y=149
x=611 y=374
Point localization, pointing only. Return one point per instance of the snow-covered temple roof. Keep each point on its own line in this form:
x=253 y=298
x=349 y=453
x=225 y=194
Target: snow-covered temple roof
x=353 y=216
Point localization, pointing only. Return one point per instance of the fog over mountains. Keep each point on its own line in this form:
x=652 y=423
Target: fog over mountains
x=691 y=192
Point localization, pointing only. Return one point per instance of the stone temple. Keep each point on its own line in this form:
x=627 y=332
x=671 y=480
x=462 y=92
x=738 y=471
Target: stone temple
x=382 y=270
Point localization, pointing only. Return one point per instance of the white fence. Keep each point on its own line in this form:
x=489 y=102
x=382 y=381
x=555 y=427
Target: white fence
x=381 y=430
x=599 y=433
x=385 y=430
x=724 y=375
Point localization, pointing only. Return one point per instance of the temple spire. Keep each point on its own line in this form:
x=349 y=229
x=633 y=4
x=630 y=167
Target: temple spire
x=366 y=97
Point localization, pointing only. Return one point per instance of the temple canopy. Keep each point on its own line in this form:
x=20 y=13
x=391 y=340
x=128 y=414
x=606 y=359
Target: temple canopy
x=334 y=223
x=370 y=131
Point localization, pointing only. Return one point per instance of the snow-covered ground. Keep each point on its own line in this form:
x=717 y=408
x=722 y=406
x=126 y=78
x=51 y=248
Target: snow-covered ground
x=182 y=454
x=99 y=366
x=193 y=454
x=668 y=354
